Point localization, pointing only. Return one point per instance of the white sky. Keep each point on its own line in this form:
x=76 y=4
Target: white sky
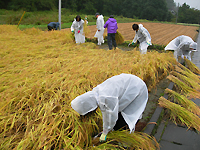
x=191 y=3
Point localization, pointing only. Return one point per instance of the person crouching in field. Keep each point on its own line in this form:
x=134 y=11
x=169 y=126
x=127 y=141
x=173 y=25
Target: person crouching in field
x=100 y=28
x=77 y=28
x=111 y=25
x=182 y=46
x=121 y=99
x=143 y=36
x=53 y=26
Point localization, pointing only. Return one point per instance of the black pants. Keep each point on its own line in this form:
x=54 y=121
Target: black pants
x=121 y=123
x=111 y=40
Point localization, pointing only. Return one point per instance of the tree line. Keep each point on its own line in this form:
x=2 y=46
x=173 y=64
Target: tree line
x=160 y=10
x=188 y=15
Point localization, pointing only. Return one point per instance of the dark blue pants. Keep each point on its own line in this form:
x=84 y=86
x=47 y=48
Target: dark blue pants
x=111 y=40
x=121 y=123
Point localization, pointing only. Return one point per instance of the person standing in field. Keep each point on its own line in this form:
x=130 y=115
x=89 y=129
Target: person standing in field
x=142 y=35
x=111 y=25
x=182 y=46
x=100 y=28
x=53 y=26
x=77 y=29
x=121 y=99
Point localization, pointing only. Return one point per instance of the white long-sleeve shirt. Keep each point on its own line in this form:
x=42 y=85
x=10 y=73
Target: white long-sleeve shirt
x=142 y=35
x=78 y=26
x=100 y=23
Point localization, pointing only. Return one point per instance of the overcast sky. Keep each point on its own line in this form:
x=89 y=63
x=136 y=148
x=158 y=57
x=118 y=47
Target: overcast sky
x=191 y=3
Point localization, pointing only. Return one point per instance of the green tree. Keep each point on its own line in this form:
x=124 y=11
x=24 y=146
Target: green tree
x=32 y=5
x=171 y=4
x=89 y=7
x=4 y=4
x=154 y=10
x=188 y=15
x=131 y=8
x=169 y=16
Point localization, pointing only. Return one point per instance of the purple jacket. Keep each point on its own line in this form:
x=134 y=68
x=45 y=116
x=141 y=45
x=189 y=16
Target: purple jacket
x=111 y=25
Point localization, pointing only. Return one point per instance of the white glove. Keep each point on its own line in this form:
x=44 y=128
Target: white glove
x=102 y=137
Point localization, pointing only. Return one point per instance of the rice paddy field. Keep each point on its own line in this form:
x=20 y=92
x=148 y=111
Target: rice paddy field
x=42 y=72
x=160 y=33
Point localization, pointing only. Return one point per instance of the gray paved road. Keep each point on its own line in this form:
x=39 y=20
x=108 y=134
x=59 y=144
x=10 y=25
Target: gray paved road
x=196 y=55
x=177 y=137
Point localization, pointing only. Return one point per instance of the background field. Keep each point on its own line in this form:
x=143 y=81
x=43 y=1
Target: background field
x=161 y=33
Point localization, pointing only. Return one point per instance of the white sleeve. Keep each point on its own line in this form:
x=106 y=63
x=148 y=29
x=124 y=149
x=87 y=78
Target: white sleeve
x=145 y=34
x=135 y=38
x=98 y=24
x=109 y=107
x=72 y=26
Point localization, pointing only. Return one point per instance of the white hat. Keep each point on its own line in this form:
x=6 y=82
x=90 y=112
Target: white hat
x=84 y=103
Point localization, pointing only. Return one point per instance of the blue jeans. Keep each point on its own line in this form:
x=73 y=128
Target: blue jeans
x=111 y=40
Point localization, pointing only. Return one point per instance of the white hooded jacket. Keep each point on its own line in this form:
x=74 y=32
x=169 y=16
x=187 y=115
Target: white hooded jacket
x=100 y=26
x=76 y=26
x=100 y=23
x=181 y=46
x=142 y=35
x=123 y=93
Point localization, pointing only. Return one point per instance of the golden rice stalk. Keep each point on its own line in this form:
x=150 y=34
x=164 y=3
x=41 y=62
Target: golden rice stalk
x=176 y=111
x=136 y=140
x=119 y=38
x=186 y=117
x=86 y=29
x=192 y=66
x=51 y=67
x=183 y=101
x=185 y=71
x=189 y=81
x=184 y=88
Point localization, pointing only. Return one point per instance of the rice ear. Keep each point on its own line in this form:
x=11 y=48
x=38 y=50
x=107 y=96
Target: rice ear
x=86 y=29
x=183 y=115
x=119 y=38
x=192 y=66
x=184 y=102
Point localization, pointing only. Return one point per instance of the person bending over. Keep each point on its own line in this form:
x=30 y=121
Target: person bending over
x=121 y=99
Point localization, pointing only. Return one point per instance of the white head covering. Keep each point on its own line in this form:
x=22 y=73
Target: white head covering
x=193 y=45
x=84 y=103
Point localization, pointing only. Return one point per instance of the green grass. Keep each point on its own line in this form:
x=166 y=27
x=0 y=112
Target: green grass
x=187 y=24
x=44 y=26
x=40 y=19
